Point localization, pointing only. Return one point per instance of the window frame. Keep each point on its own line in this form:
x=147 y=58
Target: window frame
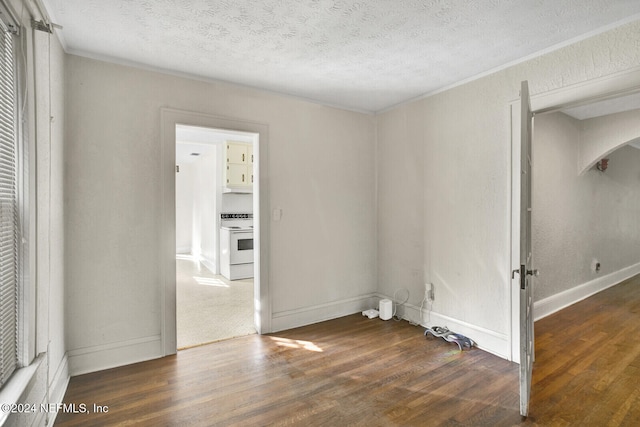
x=25 y=195
x=11 y=288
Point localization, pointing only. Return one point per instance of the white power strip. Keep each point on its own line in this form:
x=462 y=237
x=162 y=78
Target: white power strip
x=371 y=313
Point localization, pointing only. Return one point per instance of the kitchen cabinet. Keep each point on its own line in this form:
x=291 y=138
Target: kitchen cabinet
x=238 y=169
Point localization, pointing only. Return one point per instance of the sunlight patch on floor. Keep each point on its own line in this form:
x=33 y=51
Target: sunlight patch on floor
x=306 y=345
x=210 y=281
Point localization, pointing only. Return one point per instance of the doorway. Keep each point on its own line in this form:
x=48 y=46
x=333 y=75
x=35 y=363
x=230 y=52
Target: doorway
x=211 y=304
x=602 y=90
x=586 y=197
x=170 y=119
x=607 y=88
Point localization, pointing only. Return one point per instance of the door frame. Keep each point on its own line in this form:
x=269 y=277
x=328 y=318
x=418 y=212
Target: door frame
x=169 y=118
x=611 y=86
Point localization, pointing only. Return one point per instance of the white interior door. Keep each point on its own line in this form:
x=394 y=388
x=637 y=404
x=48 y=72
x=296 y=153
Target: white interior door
x=526 y=269
x=522 y=332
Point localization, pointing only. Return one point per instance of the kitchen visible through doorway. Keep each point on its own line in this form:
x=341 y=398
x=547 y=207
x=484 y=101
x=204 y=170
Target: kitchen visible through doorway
x=214 y=234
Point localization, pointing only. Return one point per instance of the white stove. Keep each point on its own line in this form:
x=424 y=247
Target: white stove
x=236 y=245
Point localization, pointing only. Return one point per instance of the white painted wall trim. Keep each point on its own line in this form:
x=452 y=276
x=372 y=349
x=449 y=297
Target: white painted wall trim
x=557 y=302
x=17 y=390
x=485 y=339
x=169 y=118
x=101 y=357
x=611 y=86
x=12 y=391
x=319 y=313
x=514 y=202
x=210 y=264
x=60 y=380
x=58 y=388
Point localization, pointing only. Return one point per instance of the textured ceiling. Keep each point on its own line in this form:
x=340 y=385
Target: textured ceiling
x=363 y=55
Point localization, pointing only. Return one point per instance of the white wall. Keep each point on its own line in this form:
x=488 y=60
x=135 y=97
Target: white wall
x=237 y=202
x=460 y=142
x=440 y=203
x=403 y=255
x=205 y=210
x=602 y=135
x=321 y=159
x=581 y=219
x=185 y=182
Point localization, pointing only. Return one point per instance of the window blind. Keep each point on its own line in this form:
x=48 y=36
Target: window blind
x=8 y=207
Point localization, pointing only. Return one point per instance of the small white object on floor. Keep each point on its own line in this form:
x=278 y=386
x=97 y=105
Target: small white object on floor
x=386 y=309
x=371 y=313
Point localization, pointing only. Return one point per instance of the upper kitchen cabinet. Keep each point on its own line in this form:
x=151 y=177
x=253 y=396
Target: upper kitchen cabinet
x=238 y=169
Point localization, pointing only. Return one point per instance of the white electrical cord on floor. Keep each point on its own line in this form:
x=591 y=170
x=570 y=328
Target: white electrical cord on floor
x=424 y=298
x=396 y=303
x=420 y=312
x=429 y=307
x=395 y=307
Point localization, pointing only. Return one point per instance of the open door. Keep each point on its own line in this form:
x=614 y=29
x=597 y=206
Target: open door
x=526 y=270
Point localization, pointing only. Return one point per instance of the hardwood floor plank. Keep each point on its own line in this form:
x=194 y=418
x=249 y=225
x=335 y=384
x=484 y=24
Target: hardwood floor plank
x=352 y=370
x=363 y=372
x=611 y=406
x=583 y=362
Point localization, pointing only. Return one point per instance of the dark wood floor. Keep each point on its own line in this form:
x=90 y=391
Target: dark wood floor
x=587 y=369
x=356 y=371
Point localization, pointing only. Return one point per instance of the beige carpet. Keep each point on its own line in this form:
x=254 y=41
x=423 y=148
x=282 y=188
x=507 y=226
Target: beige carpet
x=209 y=307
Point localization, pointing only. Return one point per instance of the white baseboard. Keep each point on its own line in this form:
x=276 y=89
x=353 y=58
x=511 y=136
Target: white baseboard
x=490 y=341
x=306 y=316
x=210 y=264
x=557 y=302
x=57 y=389
x=98 y=358
x=183 y=250
x=60 y=381
x=16 y=389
